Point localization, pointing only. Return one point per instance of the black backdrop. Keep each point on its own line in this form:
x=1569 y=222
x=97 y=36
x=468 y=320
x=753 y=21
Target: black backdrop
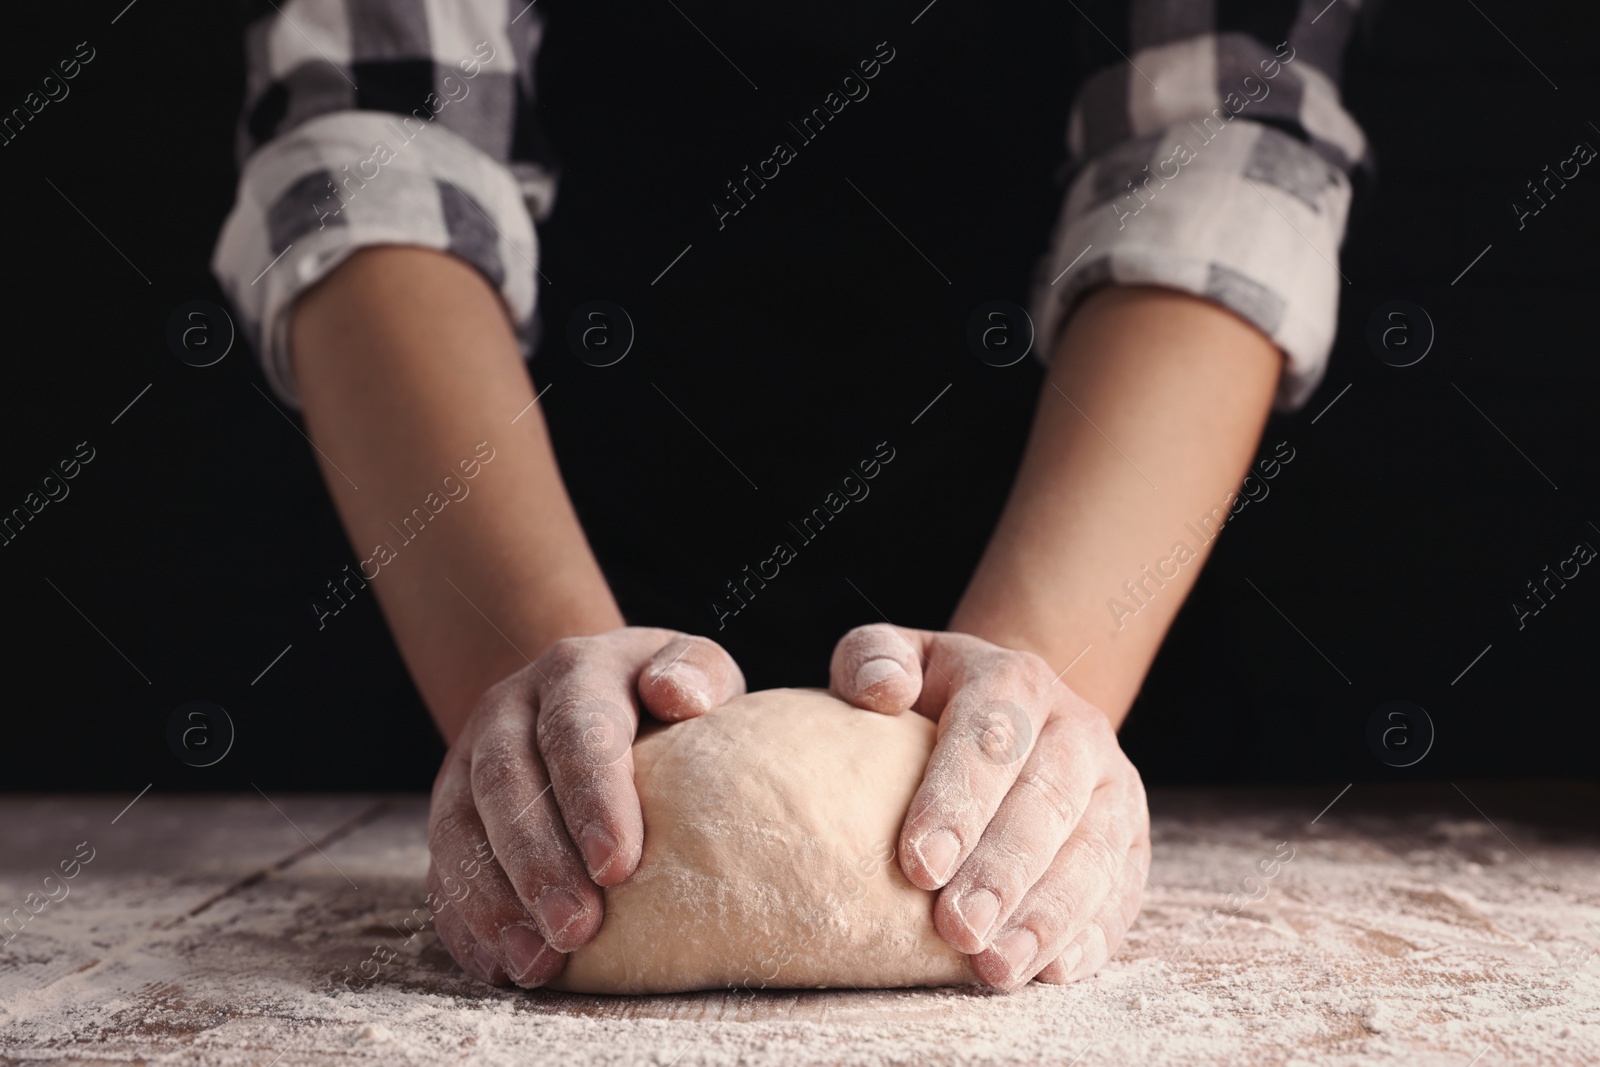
x=189 y=549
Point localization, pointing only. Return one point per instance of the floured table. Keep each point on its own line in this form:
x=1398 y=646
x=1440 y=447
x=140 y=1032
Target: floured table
x=1404 y=926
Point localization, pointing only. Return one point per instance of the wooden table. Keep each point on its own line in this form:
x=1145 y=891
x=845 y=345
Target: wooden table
x=1406 y=926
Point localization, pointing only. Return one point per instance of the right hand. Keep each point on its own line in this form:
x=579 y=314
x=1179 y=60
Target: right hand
x=543 y=772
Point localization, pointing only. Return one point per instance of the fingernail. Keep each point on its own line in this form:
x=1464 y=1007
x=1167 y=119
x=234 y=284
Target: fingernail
x=598 y=848
x=557 y=909
x=691 y=682
x=523 y=946
x=874 y=671
x=1071 y=958
x=482 y=964
x=979 y=909
x=938 y=851
x=1017 y=948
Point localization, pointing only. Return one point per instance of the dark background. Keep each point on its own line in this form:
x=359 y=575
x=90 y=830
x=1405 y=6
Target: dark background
x=797 y=339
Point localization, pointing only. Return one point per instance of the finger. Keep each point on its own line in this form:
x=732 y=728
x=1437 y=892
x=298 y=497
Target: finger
x=586 y=721
x=998 y=703
x=458 y=940
x=512 y=795
x=1033 y=822
x=877 y=667
x=1052 y=974
x=1090 y=950
x=1062 y=902
x=688 y=676
x=469 y=875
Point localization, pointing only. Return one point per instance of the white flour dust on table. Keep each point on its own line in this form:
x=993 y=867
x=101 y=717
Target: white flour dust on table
x=1401 y=927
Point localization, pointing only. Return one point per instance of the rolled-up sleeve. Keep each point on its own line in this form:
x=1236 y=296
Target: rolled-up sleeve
x=1209 y=152
x=370 y=122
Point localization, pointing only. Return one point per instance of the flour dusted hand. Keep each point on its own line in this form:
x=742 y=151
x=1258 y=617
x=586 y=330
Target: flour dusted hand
x=535 y=802
x=1030 y=820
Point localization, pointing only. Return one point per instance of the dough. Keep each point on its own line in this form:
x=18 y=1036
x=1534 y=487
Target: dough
x=769 y=858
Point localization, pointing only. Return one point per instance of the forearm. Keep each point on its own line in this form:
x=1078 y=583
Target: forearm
x=1149 y=417
x=406 y=362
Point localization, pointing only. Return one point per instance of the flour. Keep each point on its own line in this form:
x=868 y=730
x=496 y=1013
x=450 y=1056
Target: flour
x=1387 y=939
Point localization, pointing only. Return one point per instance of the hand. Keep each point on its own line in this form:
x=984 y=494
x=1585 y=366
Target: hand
x=1029 y=816
x=543 y=772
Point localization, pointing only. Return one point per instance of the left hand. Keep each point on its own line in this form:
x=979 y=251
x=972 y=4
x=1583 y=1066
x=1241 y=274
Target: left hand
x=1030 y=820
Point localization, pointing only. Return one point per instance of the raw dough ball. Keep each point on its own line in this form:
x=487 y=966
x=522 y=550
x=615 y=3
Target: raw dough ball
x=769 y=856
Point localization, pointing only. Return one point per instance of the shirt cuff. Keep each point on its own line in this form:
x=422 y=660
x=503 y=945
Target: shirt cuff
x=352 y=179
x=1241 y=214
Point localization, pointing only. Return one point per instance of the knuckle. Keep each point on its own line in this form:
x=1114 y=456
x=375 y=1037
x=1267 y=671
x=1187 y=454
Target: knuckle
x=995 y=730
x=1138 y=796
x=1094 y=850
x=1049 y=792
x=560 y=715
x=497 y=770
x=1034 y=668
x=495 y=697
x=1091 y=726
x=867 y=631
x=1139 y=854
x=1019 y=669
x=448 y=769
x=1132 y=901
x=506 y=697
x=704 y=651
x=446 y=827
x=565 y=655
x=1001 y=867
x=872 y=635
x=1120 y=769
x=695 y=651
x=955 y=806
x=579 y=726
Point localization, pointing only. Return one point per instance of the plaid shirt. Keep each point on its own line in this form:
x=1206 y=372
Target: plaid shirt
x=406 y=122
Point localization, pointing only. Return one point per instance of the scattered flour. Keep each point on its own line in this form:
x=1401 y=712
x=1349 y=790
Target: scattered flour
x=1396 y=940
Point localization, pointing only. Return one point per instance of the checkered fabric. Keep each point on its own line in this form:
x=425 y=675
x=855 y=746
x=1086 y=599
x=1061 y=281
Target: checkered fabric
x=382 y=122
x=1209 y=152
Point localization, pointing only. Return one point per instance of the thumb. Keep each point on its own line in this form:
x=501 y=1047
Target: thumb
x=688 y=676
x=877 y=667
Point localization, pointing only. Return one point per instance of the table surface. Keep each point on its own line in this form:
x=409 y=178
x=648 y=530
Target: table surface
x=1428 y=924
